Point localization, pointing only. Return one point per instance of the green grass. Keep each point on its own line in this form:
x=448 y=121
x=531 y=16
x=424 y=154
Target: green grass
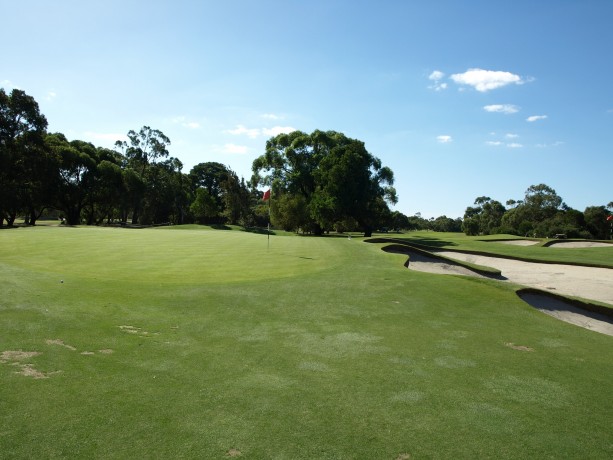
x=595 y=256
x=311 y=348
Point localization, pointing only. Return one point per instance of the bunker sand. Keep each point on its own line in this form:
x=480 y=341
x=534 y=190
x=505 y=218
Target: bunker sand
x=575 y=281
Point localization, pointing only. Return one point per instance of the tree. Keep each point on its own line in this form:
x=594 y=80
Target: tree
x=541 y=202
x=596 y=222
x=142 y=151
x=446 y=224
x=77 y=167
x=400 y=221
x=203 y=206
x=485 y=218
x=336 y=176
x=23 y=162
x=214 y=178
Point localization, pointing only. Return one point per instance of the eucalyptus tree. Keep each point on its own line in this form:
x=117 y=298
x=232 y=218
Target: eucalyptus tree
x=336 y=178
x=23 y=159
x=142 y=151
x=483 y=218
x=76 y=172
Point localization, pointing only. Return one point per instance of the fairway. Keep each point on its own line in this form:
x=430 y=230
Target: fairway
x=154 y=343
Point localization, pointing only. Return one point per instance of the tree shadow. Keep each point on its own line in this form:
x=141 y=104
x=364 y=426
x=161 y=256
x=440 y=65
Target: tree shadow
x=418 y=241
x=259 y=230
x=220 y=227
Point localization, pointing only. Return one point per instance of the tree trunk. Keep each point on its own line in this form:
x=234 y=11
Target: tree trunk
x=135 y=215
x=367 y=232
x=33 y=217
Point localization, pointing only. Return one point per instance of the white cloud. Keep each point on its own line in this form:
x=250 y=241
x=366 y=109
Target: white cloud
x=501 y=108
x=511 y=136
x=444 y=139
x=51 y=95
x=555 y=144
x=436 y=75
x=8 y=85
x=535 y=118
x=276 y=130
x=253 y=133
x=486 y=80
x=271 y=116
x=515 y=145
x=494 y=143
x=241 y=130
x=186 y=124
x=234 y=149
x=436 y=78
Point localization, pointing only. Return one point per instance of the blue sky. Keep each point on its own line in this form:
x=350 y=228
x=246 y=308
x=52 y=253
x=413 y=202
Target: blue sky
x=460 y=98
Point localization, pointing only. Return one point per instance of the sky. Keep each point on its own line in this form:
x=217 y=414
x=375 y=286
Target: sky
x=461 y=99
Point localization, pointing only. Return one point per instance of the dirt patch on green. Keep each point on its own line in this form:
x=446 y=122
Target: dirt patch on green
x=135 y=330
x=60 y=343
x=16 y=358
x=518 y=347
x=17 y=355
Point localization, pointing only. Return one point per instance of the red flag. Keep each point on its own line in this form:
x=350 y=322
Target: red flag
x=610 y=217
x=266 y=196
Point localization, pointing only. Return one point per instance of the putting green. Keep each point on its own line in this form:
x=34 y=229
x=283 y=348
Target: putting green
x=160 y=256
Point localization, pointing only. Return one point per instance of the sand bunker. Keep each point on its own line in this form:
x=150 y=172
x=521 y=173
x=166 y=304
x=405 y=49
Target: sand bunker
x=518 y=242
x=569 y=313
x=580 y=244
x=575 y=281
x=423 y=263
x=571 y=280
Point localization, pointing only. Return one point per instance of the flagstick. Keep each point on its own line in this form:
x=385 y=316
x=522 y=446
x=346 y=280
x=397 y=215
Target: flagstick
x=268 y=237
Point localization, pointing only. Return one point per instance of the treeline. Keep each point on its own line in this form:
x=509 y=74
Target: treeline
x=542 y=214
x=319 y=182
x=138 y=183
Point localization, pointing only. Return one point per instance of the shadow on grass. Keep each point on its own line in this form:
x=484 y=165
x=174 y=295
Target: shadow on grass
x=220 y=227
x=259 y=230
x=587 y=315
x=418 y=241
x=417 y=254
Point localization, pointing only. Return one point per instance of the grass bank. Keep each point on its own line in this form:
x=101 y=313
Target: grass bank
x=211 y=344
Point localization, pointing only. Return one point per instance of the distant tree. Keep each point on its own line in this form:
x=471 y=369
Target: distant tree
x=484 y=218
x=108 y=190
x=143 y=151
x=212 y=177
x=596 y=222
x=446 y=224
x=204 y=206
x=236 y=201
x=77 y=167
x=400 y=221
x=335 y=175
x=23 y=160
x=541 y=202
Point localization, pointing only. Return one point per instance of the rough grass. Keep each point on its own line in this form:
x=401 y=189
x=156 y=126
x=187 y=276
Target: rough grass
x=191 y=344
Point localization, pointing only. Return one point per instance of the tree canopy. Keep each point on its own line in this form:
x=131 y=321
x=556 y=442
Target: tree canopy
x=324 y=181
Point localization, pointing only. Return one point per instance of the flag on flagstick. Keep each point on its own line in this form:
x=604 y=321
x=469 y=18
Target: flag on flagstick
x=609 y=217
x=266 y=196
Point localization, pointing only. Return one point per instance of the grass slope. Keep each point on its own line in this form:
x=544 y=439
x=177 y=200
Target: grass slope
x=192 y=344
x=494 y=245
